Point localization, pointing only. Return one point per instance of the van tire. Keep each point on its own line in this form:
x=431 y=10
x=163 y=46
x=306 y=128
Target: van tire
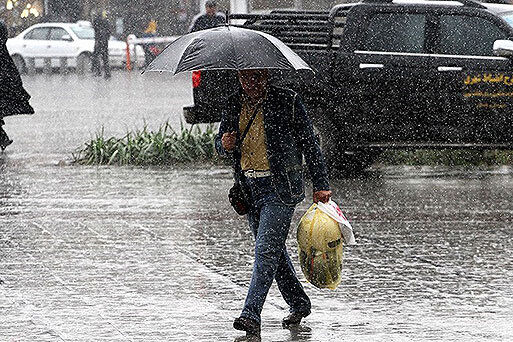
x=343 y=161
x=347 y=163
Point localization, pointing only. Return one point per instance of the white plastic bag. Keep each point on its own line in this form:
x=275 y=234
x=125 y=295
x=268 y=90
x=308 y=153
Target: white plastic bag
x=332 y=210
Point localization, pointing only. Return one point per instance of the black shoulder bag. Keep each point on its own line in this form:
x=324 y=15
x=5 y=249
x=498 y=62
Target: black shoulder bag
x=236 y=196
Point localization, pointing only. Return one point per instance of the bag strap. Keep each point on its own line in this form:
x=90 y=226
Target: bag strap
x=238 y=145
x=248 y=126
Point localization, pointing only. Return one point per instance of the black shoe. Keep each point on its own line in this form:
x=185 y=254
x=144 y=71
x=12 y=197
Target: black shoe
x=293 y=319
x=251 y=327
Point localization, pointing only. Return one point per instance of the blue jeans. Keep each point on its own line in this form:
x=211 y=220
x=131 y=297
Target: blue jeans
x=269 y=219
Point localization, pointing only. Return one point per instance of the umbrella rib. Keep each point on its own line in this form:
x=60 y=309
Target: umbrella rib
x=183 y=56
x=164 y=51
x=277 y=47
x=235 y=54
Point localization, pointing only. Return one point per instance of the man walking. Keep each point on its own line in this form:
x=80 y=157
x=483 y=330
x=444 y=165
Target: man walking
x=102 y=33
x=208 y=20
x=268 y=165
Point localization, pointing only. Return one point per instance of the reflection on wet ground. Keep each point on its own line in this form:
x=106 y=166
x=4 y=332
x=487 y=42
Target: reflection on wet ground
x=133 y=254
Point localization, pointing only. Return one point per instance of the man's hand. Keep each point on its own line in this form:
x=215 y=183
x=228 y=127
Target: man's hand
x=323 y=196
x=228 y=140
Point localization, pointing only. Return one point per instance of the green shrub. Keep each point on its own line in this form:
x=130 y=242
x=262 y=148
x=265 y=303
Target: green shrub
x=194 y=145
x=145 y=147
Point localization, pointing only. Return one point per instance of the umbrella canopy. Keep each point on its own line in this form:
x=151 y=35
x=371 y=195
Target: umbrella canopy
x=227 y=48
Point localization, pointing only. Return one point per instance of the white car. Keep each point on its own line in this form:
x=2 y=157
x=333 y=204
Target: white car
x=70 y=43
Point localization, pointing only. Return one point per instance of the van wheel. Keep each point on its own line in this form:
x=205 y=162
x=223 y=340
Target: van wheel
x=350 y=163
x=20 y=64
x=84 y=63
x=344 y=162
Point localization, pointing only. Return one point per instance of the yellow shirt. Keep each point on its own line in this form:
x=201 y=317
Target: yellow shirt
x=254 y=147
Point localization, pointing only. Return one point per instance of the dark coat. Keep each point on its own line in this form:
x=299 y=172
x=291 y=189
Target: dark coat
x=206 y=21
x=14 y=99
x=102 y=33
x=289 y=136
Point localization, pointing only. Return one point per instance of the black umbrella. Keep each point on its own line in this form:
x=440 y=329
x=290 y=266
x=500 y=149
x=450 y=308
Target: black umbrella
x=227 y=48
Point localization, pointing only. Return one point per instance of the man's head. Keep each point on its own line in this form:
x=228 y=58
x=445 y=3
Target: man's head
x=254 y=82
x=211 y=7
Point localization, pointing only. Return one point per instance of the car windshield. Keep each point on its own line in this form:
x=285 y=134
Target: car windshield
x=508 y=17
x=83 y=32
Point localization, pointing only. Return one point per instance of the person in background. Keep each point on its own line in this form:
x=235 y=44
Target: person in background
x=14 y=99
x=102 y=33
x=209 y=19
x=151 y=50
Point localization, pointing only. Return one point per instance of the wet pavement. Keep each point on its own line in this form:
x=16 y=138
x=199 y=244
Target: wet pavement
x=149 y=254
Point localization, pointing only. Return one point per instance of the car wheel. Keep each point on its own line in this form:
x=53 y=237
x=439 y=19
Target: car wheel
x=20 y=64
x=84 y=63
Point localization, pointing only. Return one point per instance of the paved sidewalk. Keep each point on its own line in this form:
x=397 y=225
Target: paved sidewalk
x=85 y=260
